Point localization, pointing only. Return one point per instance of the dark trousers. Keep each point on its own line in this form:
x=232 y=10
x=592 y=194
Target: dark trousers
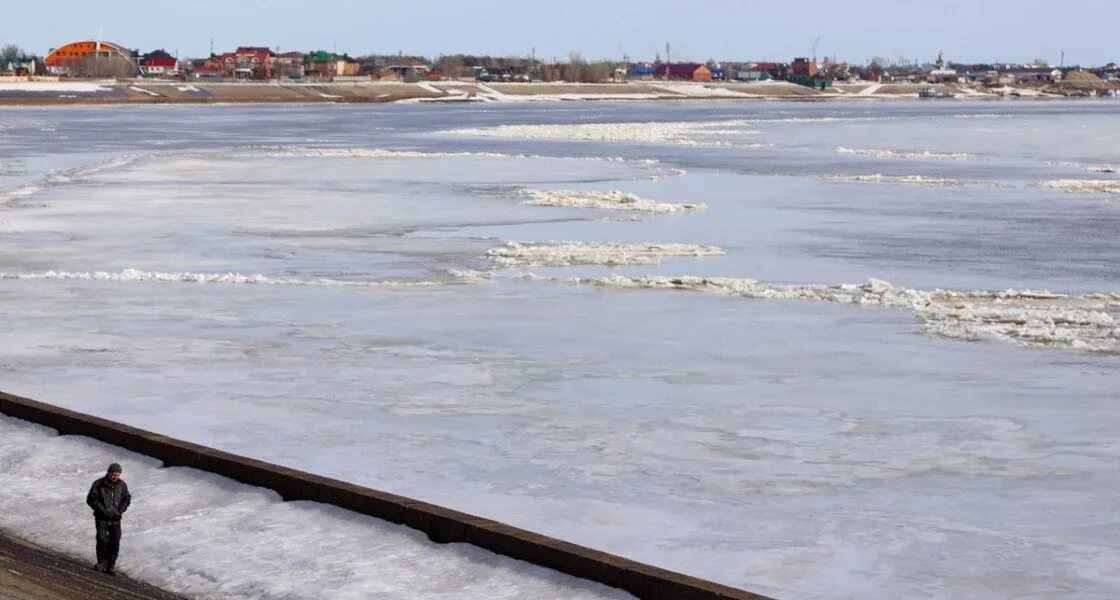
x=108 y=542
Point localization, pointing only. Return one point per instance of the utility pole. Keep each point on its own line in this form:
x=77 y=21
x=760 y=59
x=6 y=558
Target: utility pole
x=1063 y=62
x=97 y=50
x=668 y=60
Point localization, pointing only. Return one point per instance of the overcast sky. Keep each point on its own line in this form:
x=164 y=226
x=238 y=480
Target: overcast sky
x=852 y=30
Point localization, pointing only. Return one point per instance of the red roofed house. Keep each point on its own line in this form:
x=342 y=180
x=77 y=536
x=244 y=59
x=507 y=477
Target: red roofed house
x=225 y=63
x=289 y=65
x=203 y=71
x=158 y=62
x=247 y=62
x=686 y=71
x=254 y=62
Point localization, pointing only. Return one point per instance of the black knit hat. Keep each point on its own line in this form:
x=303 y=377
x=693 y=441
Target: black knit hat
x=114 y=468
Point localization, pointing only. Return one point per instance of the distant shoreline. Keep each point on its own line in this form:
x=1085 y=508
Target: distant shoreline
x=64 y=93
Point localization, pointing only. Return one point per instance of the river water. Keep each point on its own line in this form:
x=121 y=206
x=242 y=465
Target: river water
x=865 y=349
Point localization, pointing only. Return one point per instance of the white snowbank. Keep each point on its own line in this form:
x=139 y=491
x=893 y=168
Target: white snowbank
x=1106 y=186
x=902 y=153
x=485 y=93
x=1023 y=92
x=136 y=275
x=569 y=96
x=563 y=254
x=699 y=90
x=490 y=93
x=211 y=538
x=142 y=90
x=55 y=86
x=613 y=199
x=685 y=133
x=1030 y=318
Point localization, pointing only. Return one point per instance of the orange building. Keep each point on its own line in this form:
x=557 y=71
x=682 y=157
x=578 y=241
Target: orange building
x=60 y=60
x=702 y=73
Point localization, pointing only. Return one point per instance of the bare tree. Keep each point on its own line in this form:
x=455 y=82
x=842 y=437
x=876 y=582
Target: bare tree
x=597 y=72
x=451 y=66
x=1041 y=62
x=11 y=52
x=101 y=66
x=575 y=68
x=548 y=72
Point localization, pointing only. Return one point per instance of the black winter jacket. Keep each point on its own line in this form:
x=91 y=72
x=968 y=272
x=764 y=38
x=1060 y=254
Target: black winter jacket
x=108 y=501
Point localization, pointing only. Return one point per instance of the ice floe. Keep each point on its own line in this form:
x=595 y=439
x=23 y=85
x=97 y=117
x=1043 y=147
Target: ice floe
x=909 y=179
x=604 y=199
x=685 y=133
x=103 y=166
x=9 y=167
x=314 y=152
x=1106 y=186
x=136 y=275
x=68 y=176
x=1088 y=322
x=122 y=162
x=562 y=254
x=19 y=193
x=880 y=153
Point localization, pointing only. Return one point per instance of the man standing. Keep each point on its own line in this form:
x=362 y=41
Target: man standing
x=109 y=498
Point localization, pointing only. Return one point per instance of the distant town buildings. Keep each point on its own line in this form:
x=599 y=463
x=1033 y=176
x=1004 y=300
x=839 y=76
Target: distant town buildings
x=942 y=73
x=102 y=58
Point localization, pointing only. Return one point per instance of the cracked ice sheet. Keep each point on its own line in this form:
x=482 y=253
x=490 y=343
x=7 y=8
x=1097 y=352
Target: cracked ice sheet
x=343 y=221
x=695 y=434
x=816 y=450
x=209 y=537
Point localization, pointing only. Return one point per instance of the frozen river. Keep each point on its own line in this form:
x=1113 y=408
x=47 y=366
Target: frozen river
x=845 y=350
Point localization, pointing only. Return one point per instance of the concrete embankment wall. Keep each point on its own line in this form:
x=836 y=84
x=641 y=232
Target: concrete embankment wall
x=441 y=525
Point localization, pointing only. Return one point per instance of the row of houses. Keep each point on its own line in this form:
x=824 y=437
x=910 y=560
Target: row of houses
x=260 y=63
x=800 y=69
x=808 y=72
x=256 y=62
x=100 y=58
